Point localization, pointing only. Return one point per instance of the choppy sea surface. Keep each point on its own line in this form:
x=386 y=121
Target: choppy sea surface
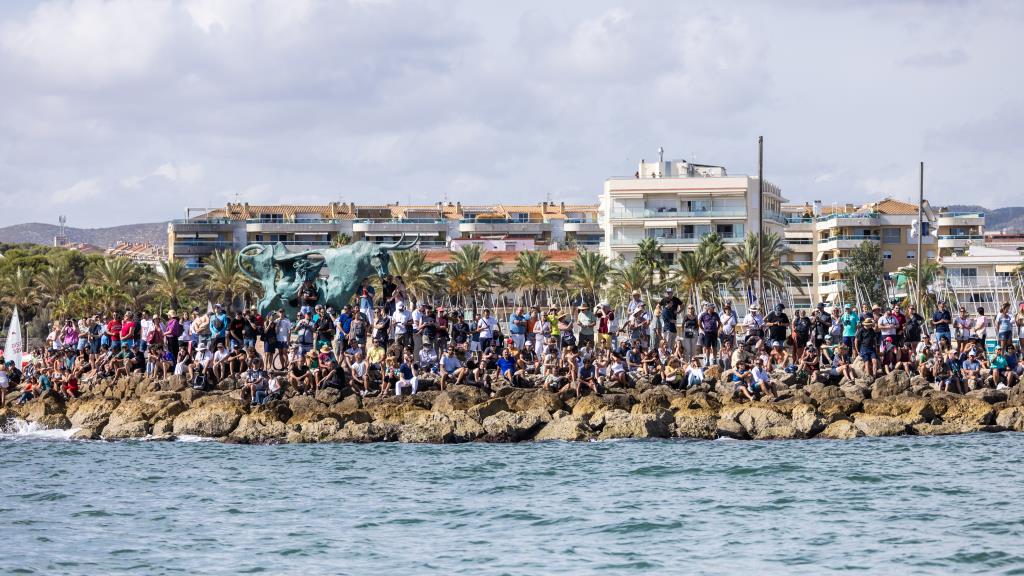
x=910 y=505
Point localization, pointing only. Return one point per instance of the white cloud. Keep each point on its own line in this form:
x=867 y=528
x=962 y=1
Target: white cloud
x=78 y=192
x=184 y=173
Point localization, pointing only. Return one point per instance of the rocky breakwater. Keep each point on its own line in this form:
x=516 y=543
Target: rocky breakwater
x=894 y=405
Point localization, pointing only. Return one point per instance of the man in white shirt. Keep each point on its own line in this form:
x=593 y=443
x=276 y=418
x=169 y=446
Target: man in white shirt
x=400 y=321
x=283 y=333
x=145 y=327
x=485 y=326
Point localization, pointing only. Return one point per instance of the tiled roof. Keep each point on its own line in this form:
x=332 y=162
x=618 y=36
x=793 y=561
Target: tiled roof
x=895 y=207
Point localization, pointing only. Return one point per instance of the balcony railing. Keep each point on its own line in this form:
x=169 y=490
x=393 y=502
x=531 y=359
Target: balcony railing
x=292 y=221
x=203 y=221
x=799 y=241
x=201 y=242
x=961 y=237
x=798 y=220
x=679 y=214
x=499 y=221
x=841 y=215
x=961 y=215
x=847 y=237
x=399 y=221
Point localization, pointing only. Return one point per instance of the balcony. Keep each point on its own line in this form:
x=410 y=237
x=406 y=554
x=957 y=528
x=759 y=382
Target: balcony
x=961 y=219
x=843 y=242
x=959 y=240
x=833 y=265
x=675 y=215
x=188 y=247
x=845 y=220
x=299 y=225
x=584 y=226
x=683 y=240
x=193 y=226
x=398 y=226
x=502 y=226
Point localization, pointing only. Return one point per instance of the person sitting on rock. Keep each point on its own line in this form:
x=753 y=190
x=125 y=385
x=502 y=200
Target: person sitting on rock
x=842 y=364
x=586 y=377
x=617 y=373
x=407 y=376
x=778 y=358
x=451 y=368
x=759 y=383
x=888 y=354
x=971 y=371
x=359 y=373
x=810 y=362
x=256 y=383
x=694 y=374
x=299 y=376
x=29 y=390
x=948 y=374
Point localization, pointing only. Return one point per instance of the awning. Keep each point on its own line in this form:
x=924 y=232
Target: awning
x=1007 y=268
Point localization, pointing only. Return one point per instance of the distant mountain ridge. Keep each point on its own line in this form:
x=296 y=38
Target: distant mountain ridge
x=38 y=233
x=1010 y=218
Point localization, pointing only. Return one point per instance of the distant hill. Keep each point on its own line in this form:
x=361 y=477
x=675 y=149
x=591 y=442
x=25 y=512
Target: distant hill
x=39 y=233
x=1010 y=218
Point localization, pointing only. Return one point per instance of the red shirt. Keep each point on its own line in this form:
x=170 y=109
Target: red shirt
x=114 y=328
x=127 y=330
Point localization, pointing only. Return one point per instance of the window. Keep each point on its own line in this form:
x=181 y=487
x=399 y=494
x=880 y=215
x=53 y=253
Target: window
x=887 y=255
x=891 y=235
x=930 y=254
x=911 y=254
x=724 y=230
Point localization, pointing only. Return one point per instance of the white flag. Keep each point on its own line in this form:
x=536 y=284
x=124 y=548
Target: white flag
x=14 y=347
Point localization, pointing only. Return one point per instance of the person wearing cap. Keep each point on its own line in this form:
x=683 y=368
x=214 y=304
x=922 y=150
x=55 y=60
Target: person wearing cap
x=1003 y=376
x=753 y=322
x=710 y=325
x=635 y=301
x=518 y=322
x=821 y=322
x=888 y=325
x=777 y=322
x=667 y=312
x=638 y=327
x=407 y=376
x=553 y=315
x=304 y=333
x=587 y=322
x=172 y=333
x=866 y=345
x=801 y=333
x=970 y=370
x=850 y=321
x=729 y=320
x=691 y=327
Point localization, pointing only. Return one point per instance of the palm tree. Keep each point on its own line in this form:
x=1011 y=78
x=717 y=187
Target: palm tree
x=469 y=273
x=716 y=259
x=224 y=278
x=114 y=272
x=590 y=271
x=54 y=282
x=137 y=293
x=648 y=254
x=690 y=278
x=174 y=282
x=775 y=272
x=18 y=290
x=341 y=240
x=534 y=274
x=626 y=278
x=415 y=271
x=930 y=270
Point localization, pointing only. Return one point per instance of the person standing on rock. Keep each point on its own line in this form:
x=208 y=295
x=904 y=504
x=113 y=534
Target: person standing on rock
x=942 y=323
x=517 y=326
x=777 y=322
x=850 y=321
x=709 y=324
x=668 y=310
x=867 y=345
x=913 y=328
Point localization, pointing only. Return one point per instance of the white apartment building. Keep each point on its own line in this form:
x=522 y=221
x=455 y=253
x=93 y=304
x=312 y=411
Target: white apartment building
x=678 y=203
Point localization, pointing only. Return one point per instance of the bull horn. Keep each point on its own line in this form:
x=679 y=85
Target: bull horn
x=414 y=242
x=395 y=246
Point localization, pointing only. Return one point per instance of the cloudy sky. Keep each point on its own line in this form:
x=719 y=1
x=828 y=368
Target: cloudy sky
x=117 y=112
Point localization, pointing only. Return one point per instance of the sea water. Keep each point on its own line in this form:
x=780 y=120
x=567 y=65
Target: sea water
x=909 y=505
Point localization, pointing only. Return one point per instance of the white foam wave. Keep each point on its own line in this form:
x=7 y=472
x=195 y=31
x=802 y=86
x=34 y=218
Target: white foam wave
x=21 y=429
x=191 y=438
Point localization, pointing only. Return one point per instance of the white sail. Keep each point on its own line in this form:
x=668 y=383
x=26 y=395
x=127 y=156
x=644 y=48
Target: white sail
x=14 y=346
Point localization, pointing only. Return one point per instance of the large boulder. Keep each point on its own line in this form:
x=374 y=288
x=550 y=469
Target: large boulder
x=364 y=432
x=909 y=409
x=441 y=428
x=1011 y=418
x=696 y=423
x=92 y=413
x=328 y=395
x=571 y=428
x=873 y=425
x=821 y=393
x=262 y=425
x=458 y=398
x=306 y=431
x=990 y=395
x=533 y=400
x=856 y=390
x=508 y=426
x=593 y=406
x=307 y=409
x=659 y=397
x=481 y=411
x=757 y=421
x=807 y=421
x=841 y=430
x=892 y=384
x=129 y=420
x=396 y=409
x=838 y=408
x=213 y=419
x=621 y=424
x=970 y=412
x=1015 y=395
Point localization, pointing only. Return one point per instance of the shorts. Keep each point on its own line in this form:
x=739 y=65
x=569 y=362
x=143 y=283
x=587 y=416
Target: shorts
x=869 y=354
x=709 y=339
x=281 y=345
x=1005 y=336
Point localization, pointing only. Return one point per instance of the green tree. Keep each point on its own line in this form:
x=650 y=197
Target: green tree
x=19 y=290
x=469 y=274
x=174 y=282
x=224 y=279
x=865 y=272
x=689 y=278
x=114 y=272
x=589 y=272
x=625 y=278
x=648 y=254
x=930 y=270
x=534 y=274
x=54 y=282
x=415 y=271
x=771 y=251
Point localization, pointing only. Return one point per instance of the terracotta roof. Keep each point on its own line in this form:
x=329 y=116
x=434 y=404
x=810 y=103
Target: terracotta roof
x=890 y=206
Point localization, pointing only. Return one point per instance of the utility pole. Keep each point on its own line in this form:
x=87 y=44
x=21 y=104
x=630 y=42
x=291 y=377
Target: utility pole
x=760 y=218
x=920 y=233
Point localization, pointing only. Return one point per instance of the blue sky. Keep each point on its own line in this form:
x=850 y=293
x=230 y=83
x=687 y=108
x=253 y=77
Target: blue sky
x=118 y=112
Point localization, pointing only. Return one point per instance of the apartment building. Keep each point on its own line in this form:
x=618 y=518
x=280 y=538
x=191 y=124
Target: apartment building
x=982 y=276
x=678 y=203
x=822 y=238
x=302 y=227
